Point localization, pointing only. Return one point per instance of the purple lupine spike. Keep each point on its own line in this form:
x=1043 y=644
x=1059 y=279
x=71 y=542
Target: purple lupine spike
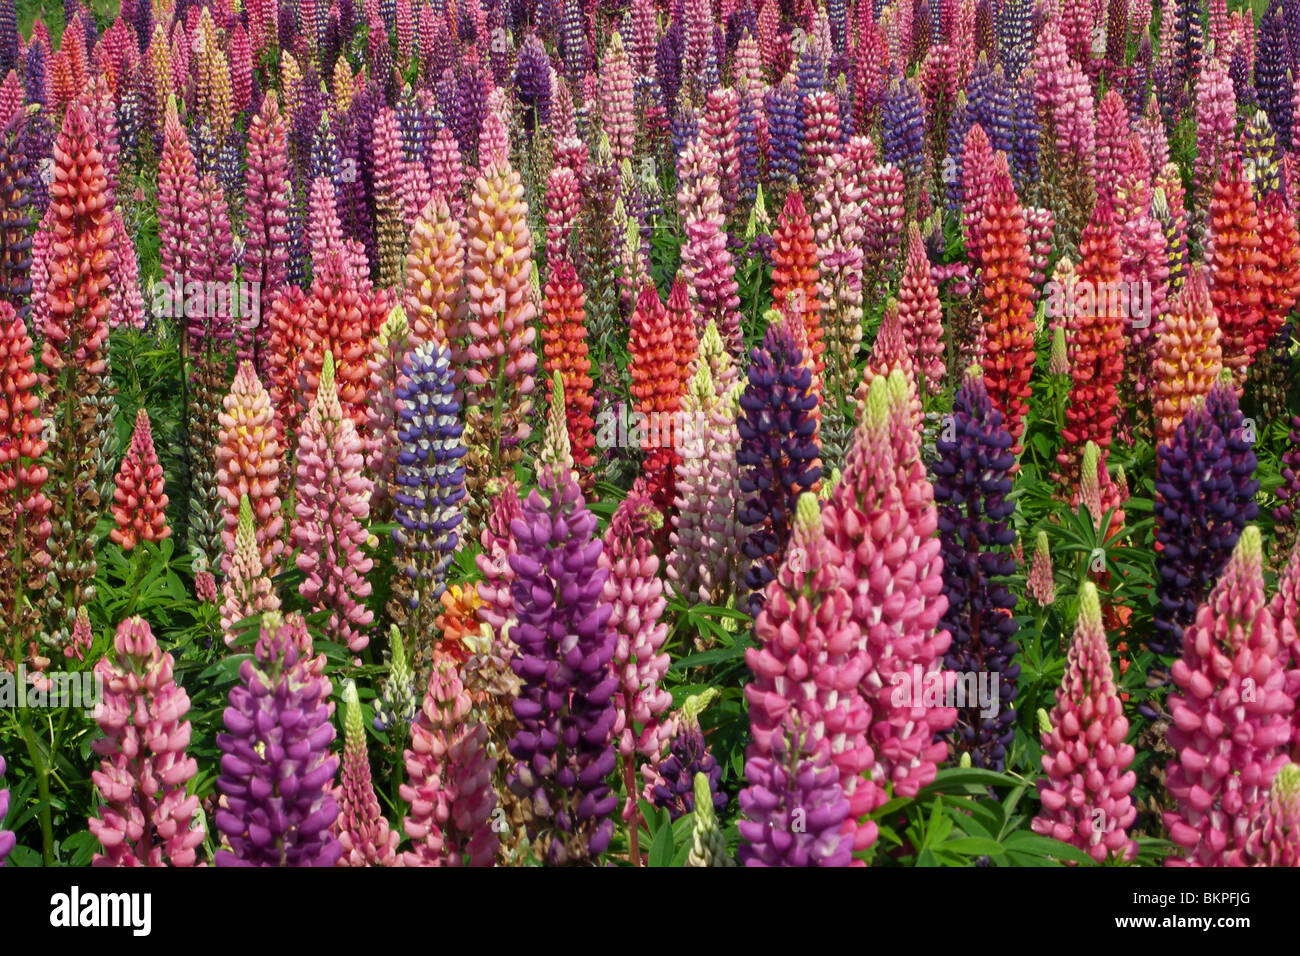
x=972 y=480
x=565 y=650
x=142 y=20
x=785 y=132
x=1272 y=83
x=472 y=87
x=277 y=773
x=668 y=64
x=8 y=37
x=429 y=479
x=992 y=106
x=573 y=43
x=688 y=754
x=326 y=159
x=1204 y=497
x=959 y=126
x=1012 y=21
x=778 y=453
x=903 y=129
x=533 y=83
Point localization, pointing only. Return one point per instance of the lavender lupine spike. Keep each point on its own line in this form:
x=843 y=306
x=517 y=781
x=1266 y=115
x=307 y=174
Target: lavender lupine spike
x=564 y=656
x=972 y=481
x=148 y=817
x=429 y=481
x=277 y=774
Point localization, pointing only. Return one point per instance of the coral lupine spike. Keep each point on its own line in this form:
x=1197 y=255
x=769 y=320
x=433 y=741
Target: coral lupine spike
x=1188 y=354
x=148 y=818
x=360 y=827
x=1086 y=784
x=139 y=502
x=794 y=273
x=1236 y=261
x=248 y=463
x=1231 y=725
x=564 y=351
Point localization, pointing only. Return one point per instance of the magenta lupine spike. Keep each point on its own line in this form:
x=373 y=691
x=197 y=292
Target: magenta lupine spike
x=1275 y=838
x=213 y=262
x=635 y=592
x=882 y=219
x=326 y=232
x=617 y=118
x=1216 y=125
x=7 y=838
x=266 y=208
x=809 y=665
x=719 y=119
x=920 y=313
x=881 y=516
x=977 y=183
x=493 y=561
x=1285 y=608
x=821 y=127
x=1039 y=224
x=1231 y=726
x=707 y=264
x=1042 y=586
x=248 y=463
x=390 y=194
x=148 y=818
x=1086 y=782
x=178 y=202
x=331 y=508
x=1112 y=145
x=247 y=589
x=82 y=638
x=449 y=778
x=361 y=828
x=1144 y=274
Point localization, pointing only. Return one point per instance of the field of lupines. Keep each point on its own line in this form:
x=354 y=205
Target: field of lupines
x=618 y=432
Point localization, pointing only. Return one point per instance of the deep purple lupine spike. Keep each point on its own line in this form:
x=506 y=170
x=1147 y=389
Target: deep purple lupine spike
x=903 y=129
x=971 y=484
x=533 y=83
x=1272 y=83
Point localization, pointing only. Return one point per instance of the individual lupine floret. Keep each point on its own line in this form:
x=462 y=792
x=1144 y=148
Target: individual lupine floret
x=277 y=774
x=809 y=667
x=652 y=367
x=332 y=504
x=148 y=819
x=1040 y=581
x=564 y=659
x=779 y=456
x=972 y=481
x=429 y=482
x=139 y=501
x=449 y=778
x=920 y=314
x=248 y=463
x=361 y=827
x=1231 y=724
x=1006 y=304
x=247 y=590
x=1086 y=784
x=635 y=593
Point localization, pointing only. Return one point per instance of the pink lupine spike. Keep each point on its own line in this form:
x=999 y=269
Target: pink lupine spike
x=128 y=303
x=449 y=772
x=617 y=118
x=719 y=120
x=493 y=561
x=1231 y=728
x=707 y=264
x=1086 y=784
x=148 y=818
x=1285 y=608
x=248 y=457
x=266 y=208
x=360 y=826
x=82 y=637
x=920 y=313
x=330 y=514
x=247 y=590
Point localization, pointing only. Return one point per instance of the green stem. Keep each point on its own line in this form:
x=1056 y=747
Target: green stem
x=42 y=769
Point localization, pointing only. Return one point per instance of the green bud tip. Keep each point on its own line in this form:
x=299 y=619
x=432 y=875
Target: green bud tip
x=696 y=704
x=1089 y=606
x=877 y=412
x=350 y=697
x=1044 y=722
x=1287 y=782
x=965 y=761
x=703 y=799
x=1041 y=544
x=1249 y=544
x=808 y=511
x=327 y=372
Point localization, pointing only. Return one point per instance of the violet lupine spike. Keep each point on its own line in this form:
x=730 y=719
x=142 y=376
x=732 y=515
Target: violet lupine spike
x=449 y=778
x=148 y=817
x=778 y=454
x=331 y=509
x=364 y=834
x=634 y=591
x=1086 y=784
x=277 y=773
x=794 y=808
x=1231 y=727
x=971 y=484
x=903 y=130
x=429 y=480
x=1201 y=506
x=533 y=83
x=688 y=758
x=565 y=650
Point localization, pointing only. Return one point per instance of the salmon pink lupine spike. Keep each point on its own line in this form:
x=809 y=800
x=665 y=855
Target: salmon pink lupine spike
x=148 y=818
x=360 y=827
x=331 y=508
x=1086 y=783
x=1231 y=728
x=139 y=501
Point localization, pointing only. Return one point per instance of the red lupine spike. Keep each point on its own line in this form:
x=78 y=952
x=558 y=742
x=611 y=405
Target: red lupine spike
x=652 y=366
x=564 y=350
x=139 y=503
x=681 y=318
x=1235 y=261
x=794 y=273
